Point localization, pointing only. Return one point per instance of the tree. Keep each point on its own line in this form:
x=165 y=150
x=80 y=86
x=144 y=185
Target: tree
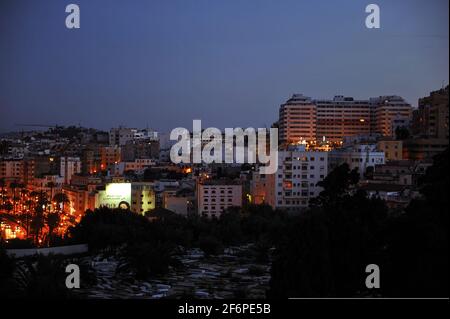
x=2 y=187
x=8 y=206
x=14 y=186
x=37 y=223
x=7 y=267
x=336 y=184
x=210 y=245
x=51 y=185
x=326 y=249
x=52 y=220
x=61 y=198
x=416 y=243
x=42 y=277
x=146 y=259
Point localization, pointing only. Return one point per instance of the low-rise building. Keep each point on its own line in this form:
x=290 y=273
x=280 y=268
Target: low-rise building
x=80 y=199
x=359 y=156
x=262 y=188
x=142 y=197
x=423 y=148
x=69 y=166
x=393 y=149
x=138 y=165
x=215 y=196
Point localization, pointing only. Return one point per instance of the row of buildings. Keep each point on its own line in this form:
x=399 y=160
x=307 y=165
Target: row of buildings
x=303 y=118
x=127 y=168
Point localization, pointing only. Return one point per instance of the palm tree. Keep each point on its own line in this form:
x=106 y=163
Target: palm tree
x=42 y=198
x=2 y=186
x=51 y=185
x=61 y=198
x=14 y=186
x=37 y=223
x=23 y=193
x=52 y=221
x=8 y=206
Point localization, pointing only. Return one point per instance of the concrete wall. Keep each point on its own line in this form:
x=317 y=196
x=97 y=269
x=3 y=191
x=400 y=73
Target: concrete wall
x=62 y=250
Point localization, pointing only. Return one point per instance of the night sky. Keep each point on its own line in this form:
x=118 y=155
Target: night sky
x=229 y=63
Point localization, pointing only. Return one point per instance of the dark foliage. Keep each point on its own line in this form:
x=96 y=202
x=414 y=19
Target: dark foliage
x=326 y=249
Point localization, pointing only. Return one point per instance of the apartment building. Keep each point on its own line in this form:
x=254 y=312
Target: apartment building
x=137 y=165
x=393 y=149
x=121 y=135
x=295 y=181
x=91 y=159
x=389 y=113
x=69 y=166
x=430 y=127
x=179 y=201
x=342 y=116
x=262 y=188
x=431 y=118
x=302 y=118
x=142 y=197
x=109 y=155
x=297 y=121
x=12 y=170
x=80 y=199
x=215 y=196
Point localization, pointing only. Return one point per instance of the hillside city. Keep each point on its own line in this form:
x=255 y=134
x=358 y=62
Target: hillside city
x=55 y=179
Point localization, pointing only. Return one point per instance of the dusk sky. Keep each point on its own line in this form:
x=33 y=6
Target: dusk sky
x=229 y=63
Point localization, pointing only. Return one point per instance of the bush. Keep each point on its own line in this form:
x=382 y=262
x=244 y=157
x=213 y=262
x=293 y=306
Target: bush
x=210 y=245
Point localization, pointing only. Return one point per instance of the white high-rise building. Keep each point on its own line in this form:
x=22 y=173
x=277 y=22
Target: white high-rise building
x=68 y=167
x=121 y=135
x=295 y=181
x=297 y=176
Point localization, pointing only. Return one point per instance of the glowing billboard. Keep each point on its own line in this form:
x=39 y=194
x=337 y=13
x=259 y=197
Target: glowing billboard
x=115 y=195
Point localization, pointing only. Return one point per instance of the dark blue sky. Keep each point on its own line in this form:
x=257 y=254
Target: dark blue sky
x=229 y=63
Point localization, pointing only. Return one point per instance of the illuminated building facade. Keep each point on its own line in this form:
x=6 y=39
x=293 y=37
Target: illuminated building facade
x=388 y=113
x=262 y=188
x=142 y=197
x=80 y=199
x=109 y=155
x=304 y=119
x=297 y=176
x=139 y=197
x=297 y=121
x=342 y=116
x=115 y=195
x=11 y=169
x=393 y=149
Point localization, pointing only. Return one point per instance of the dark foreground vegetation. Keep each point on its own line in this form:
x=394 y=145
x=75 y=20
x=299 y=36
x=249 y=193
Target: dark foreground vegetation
x=326 y=250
